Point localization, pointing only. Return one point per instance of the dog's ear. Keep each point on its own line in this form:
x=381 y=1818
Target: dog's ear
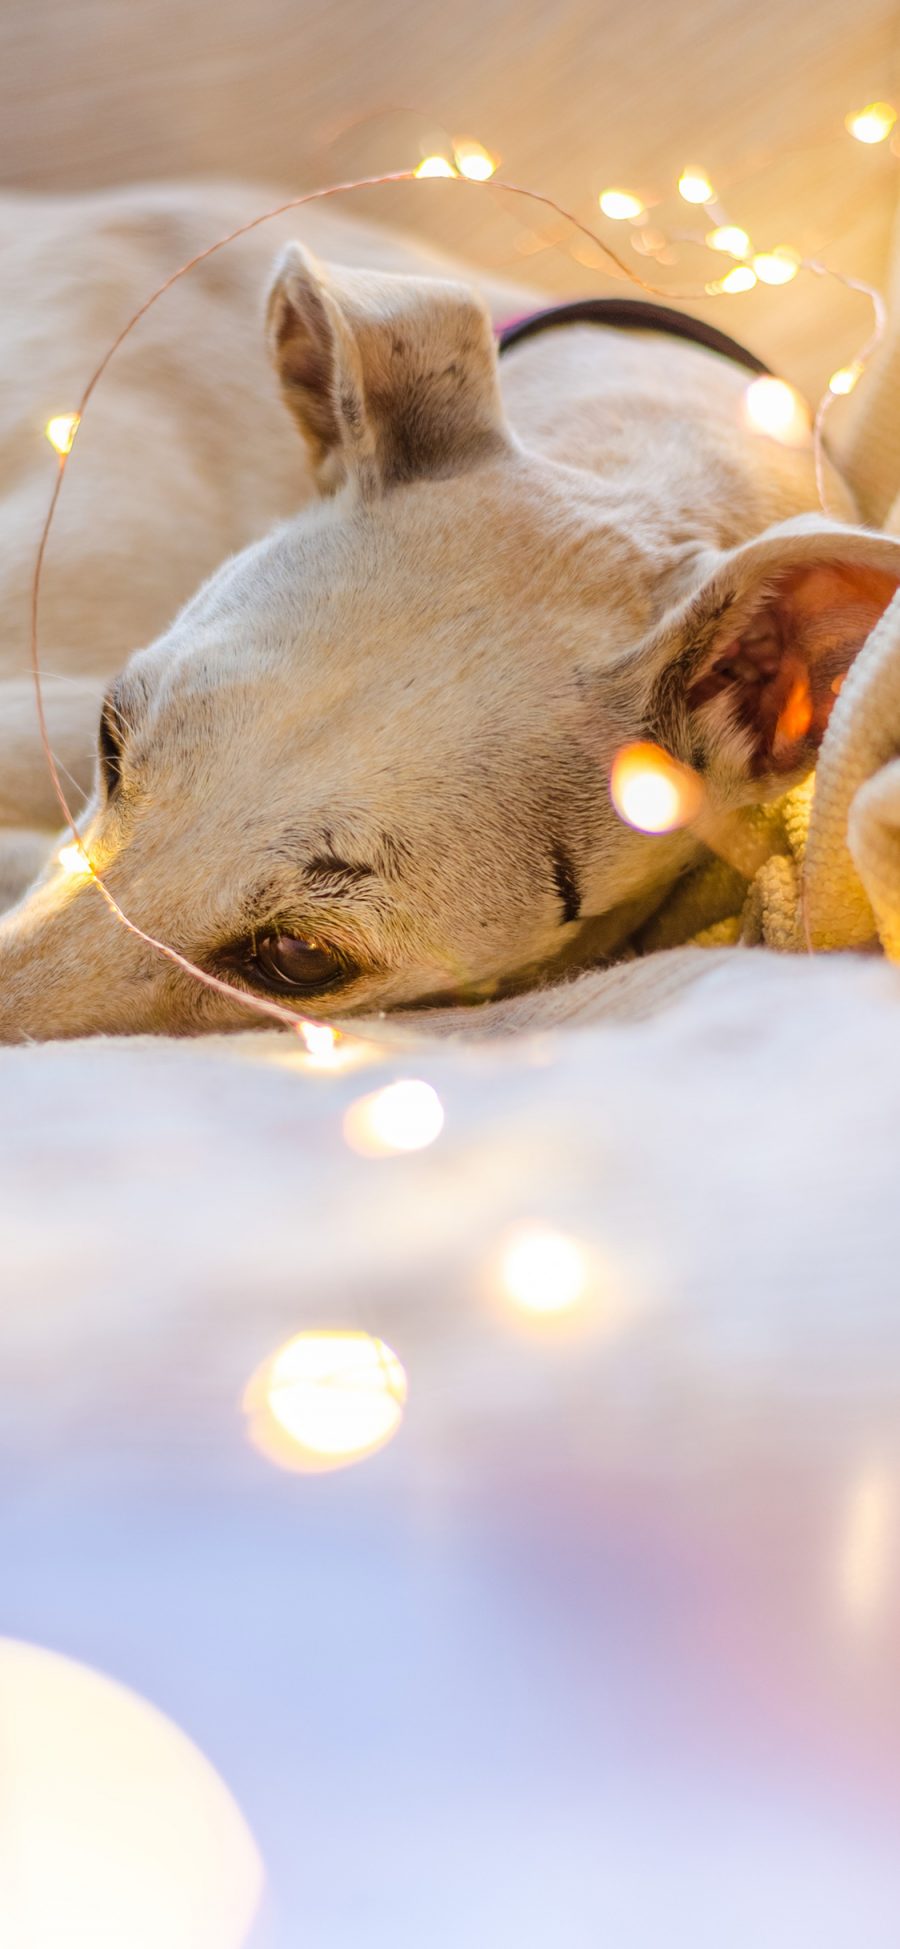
x=389 y=378
x=749 y=669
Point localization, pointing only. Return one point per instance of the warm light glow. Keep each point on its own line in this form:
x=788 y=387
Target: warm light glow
x=620 y=203
x=844 y=380
x=116 y=1829
x=772 y=406
x=652 y=791
x=401 y=1117
x=864 y=1554
x=775 y=266
x=695 y=187
x=730 y=238
x=321 y=1041
x=74 y=862
x=61 y=431
x=796 y=714
x=326 y=1399
x=740 y=279
x=543 y=1271
x=435 y=166
x=473 y=161
x=871 y=124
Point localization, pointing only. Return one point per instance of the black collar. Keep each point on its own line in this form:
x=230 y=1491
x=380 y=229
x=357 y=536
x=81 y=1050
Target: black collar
x=630 y=314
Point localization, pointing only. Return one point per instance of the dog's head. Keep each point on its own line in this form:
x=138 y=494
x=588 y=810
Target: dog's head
x=368 y=764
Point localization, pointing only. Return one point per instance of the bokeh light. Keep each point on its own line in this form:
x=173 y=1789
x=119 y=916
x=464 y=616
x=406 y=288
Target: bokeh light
x=543 y=1271
x=61 y=431
x=474 y=162
x=864 y=1560
x=326 y=1399
x=776 y=266
x=620 y=204
x=116 y=1829
x=651 y=790
x=694 y=185
x=74 y=862
x=435 y=166
x=730 y=238
x=844 y=379
x=321 y=1041
x=871 y=124
x=742 y=278
x=403 y=1116
x=773 y=407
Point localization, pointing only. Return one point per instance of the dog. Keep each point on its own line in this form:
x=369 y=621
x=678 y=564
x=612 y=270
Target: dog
x=366 y=764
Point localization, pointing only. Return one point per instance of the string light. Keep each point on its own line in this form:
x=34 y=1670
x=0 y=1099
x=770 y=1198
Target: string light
x=651 y=790
x=74 y=862
x=776 y=266
x=326 y=1399
x=117 y=1829
x=543 y=1271
x=435 y=166
x=742 y=278
x=321 y=1041
x=620 y=204
x=61 y=431
x=865 y=1550
x=772 y=406
x=695 y=186
x=730 y=238
x=473 y=161
x=844 y=379
x=871 y=124
x=403 y=1116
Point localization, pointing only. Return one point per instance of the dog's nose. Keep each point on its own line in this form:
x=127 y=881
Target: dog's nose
x=67 y=968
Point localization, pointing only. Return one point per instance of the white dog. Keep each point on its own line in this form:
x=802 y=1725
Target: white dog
x=367 y=764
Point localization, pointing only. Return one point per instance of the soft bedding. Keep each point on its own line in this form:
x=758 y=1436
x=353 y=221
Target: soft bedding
x=670 y=1517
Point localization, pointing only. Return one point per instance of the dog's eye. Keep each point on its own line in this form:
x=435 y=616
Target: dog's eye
x=110 y=743
x=290 y=961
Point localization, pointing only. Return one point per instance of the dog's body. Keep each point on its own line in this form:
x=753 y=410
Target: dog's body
x=367 y=764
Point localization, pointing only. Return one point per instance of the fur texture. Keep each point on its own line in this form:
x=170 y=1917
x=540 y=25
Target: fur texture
x=382 y=730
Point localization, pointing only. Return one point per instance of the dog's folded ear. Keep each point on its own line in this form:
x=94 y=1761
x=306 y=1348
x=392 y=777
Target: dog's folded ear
x=748 y=670
x=389 y=378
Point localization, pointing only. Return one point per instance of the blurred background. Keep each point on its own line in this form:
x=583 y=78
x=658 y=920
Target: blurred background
x=572 y=98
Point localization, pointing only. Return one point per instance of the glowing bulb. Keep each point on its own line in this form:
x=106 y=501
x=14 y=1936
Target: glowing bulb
x=730 y=238
x=872 y=124
x=772 y=406
x=326 y=1399
x=740 y=279
x=543 y=1271
x=435 y=166
x=652 y=791
x=321 y=1041
x=619 y=204
x=473 y=161
x=844 y=380
x=74 y=862
x=116 y=1827
x=403 y=1116
x=61 y=431
x=864 y=1557
x=695 y=187
x=775 y=266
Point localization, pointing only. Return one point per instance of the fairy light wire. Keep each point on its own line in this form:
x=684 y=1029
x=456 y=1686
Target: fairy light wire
x=255 y=1003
